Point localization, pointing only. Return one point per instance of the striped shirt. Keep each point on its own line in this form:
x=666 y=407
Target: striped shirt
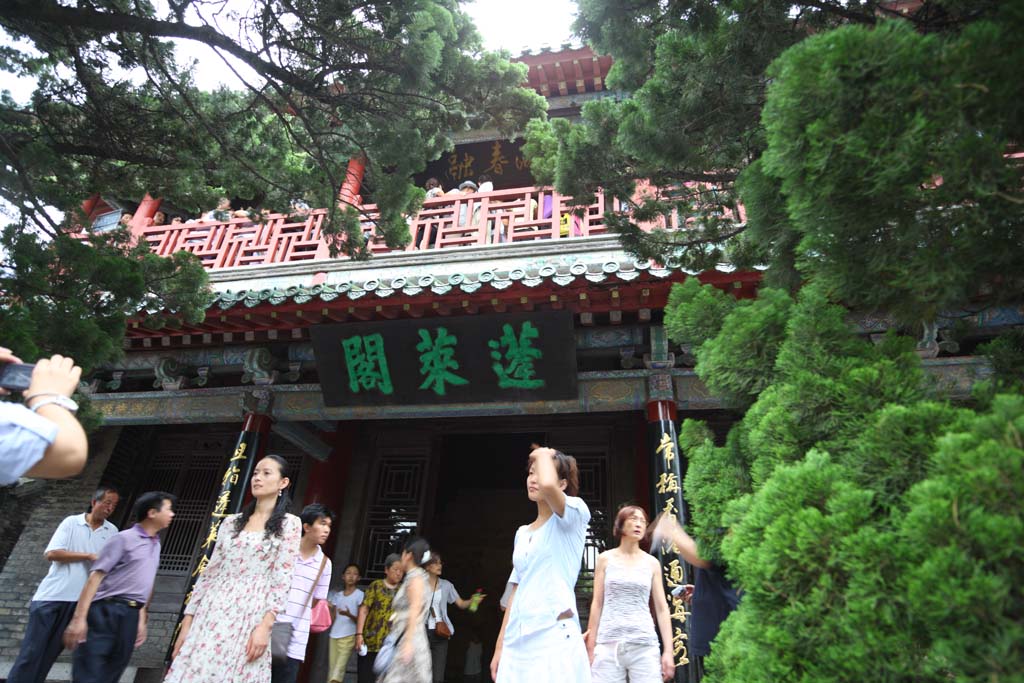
x=298 y=598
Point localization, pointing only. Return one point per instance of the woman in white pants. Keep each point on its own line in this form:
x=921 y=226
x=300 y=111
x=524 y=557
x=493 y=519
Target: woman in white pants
x=540 y=639
x=621 y=640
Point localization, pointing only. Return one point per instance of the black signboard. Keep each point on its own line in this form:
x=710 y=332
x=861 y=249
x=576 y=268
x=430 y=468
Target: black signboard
x=471 y=359
x=502 y=160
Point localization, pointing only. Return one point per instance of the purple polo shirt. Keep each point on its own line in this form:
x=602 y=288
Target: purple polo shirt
x=130 y=560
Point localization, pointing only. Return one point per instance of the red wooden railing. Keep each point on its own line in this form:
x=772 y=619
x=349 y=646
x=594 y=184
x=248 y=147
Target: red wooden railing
x=488 y=218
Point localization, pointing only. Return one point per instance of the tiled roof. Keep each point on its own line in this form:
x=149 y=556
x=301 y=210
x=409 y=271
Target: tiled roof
x=560 y=275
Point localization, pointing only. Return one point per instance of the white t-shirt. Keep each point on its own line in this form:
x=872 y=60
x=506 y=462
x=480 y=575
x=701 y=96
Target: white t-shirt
x=65 y=580
x=546 y=564
x=343 y=626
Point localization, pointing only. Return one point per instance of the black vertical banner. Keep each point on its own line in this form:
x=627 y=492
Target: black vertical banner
x=667 y=498
x=229 y=501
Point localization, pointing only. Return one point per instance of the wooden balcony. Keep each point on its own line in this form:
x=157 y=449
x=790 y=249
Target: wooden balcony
x=490 y=218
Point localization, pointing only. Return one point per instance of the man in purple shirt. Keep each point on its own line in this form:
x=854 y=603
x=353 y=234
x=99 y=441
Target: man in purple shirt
x=111 y=610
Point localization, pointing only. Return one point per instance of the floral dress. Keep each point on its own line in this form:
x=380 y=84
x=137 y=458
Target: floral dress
x=419 y=669
x=248 y=575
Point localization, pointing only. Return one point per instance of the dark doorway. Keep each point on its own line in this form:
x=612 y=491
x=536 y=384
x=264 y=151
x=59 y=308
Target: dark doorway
x=480 y=501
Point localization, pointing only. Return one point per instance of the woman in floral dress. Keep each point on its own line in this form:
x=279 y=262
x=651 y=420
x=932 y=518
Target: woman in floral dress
x=412 y=662
x=225 y=635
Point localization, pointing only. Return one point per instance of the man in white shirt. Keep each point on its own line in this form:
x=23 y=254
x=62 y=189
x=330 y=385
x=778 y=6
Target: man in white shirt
x=310 y=581
x=73 y=548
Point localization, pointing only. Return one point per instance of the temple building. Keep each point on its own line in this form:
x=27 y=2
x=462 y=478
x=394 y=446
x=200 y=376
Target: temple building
x=406 y=390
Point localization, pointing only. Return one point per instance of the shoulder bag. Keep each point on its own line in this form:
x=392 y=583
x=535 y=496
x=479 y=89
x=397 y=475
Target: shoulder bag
x=281 y=633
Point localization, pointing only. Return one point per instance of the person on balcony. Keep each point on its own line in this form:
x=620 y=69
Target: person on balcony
x=484 y=184
x=159 y=218
x=126 y=219
x=223 y=212
x=434 y=188
x=467 y=187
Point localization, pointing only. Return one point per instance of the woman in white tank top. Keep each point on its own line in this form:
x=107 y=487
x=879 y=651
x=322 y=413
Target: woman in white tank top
x=621 y=639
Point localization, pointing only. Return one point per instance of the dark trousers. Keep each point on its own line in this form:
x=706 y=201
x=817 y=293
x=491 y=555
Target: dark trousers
x=284 y=670
x=364 y=668
x=108 y=646
x=42 y=643
x=438 y=654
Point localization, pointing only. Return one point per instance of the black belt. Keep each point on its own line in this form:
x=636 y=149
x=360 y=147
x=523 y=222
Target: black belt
x=134 y=604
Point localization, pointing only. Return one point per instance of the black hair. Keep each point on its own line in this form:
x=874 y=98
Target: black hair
x=484 y=178
x=315 y=511
x=418 y=547
x=274 y=525
x=566 y=468
x=101 y=490
x=432 y=182
x=353 y=564
x=391 y=559
x=151 y=500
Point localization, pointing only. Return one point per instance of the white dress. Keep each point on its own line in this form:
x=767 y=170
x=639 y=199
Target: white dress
x=538 y=647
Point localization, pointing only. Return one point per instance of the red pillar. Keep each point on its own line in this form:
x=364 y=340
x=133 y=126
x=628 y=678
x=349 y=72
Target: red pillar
x=353 y=180
x=144 y=214
x=326 y=485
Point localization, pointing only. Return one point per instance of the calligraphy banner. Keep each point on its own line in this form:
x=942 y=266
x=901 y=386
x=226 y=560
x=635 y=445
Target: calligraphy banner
x=502 y=160
x=471 y=359
x=667 y=494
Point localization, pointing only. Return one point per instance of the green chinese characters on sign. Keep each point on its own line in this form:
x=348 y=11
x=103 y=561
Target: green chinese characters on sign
x=366 y=364
x=514 y=357
x=437 y=361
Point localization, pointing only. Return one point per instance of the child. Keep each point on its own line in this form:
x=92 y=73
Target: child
x=345 y=606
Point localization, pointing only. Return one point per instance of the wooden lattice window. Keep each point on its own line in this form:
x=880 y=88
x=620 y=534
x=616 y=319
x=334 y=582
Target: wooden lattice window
x=187 y=464
x=396 y=505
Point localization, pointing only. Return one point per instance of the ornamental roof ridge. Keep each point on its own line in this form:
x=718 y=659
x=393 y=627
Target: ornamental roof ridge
x=531 y=275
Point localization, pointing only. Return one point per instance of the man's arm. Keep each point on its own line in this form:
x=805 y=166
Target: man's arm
x=68 y=556
x=65 y=457
x=77 y=629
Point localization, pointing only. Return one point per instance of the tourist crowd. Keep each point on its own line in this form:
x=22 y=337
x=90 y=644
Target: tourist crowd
x=266 y=588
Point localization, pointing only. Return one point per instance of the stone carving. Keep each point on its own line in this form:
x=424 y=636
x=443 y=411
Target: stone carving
x=257 y=401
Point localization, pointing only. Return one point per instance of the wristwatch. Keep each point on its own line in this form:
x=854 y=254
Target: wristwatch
x=56 y=399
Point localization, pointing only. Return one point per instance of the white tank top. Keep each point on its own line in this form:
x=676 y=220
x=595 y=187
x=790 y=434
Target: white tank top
x=626 y=614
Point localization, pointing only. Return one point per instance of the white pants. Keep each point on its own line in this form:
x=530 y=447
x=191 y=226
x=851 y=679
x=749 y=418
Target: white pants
x=552 y=655
x=614 y=661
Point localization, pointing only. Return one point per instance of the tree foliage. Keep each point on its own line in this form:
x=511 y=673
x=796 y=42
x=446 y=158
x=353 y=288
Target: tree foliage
x=868 y=145
x=322 y=82
x=875 y=529
x=116 y=112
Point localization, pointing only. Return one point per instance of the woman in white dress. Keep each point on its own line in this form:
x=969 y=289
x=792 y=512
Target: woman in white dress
x=540 y=639
x=621 y=639
x=225 y=635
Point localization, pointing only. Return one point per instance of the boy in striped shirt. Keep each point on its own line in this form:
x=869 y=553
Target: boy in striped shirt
x=316 y=527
